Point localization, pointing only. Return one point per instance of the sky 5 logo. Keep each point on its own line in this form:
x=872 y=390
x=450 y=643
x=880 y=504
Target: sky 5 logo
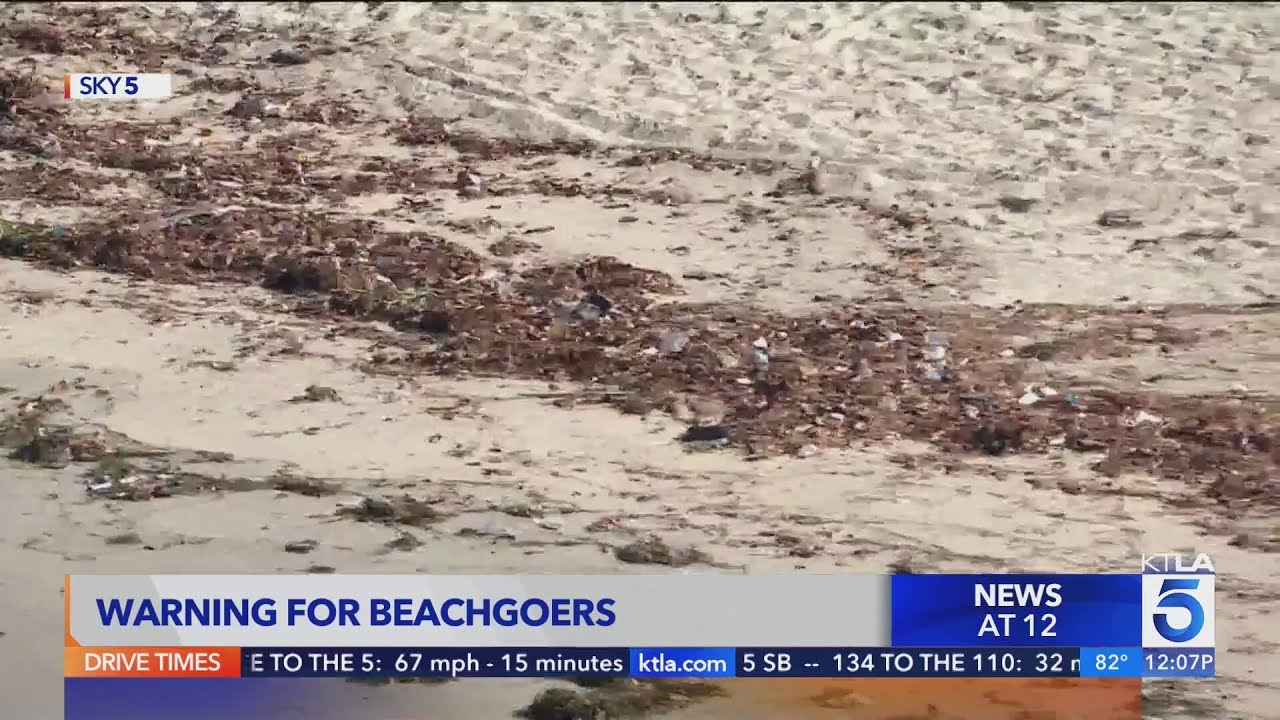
x=108 y=85
x=1177 y=609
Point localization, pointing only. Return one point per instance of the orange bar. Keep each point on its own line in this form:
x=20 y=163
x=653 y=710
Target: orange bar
x=151 y=662
x=66 y=609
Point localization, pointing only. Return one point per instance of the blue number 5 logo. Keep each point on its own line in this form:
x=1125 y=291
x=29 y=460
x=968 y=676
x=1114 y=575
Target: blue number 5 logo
x=1173 y=595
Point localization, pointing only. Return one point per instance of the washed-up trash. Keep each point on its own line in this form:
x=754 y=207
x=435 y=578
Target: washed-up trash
x=707 y=411
x=1119 y=219
x=935 y=356
x=560 y=704
x=599 y=301
x=994 y=439
x=1016 y=204
x=1029 y=398
x=249 y=106
x=301 y=547
x=653 y=551
x=403 y=542
x=521 y=509
x=608 y=522
x=317 y=393
x=586 y=311
x=551 y=523
x=809 y=373
x=672 y=342
x=468 y=183
x=935 y=347
x=506 y=289
x=864 y=370
x=759 y=354
x=402 y=510
x=121 y=487
x=705 y=434
x=1142 y=417
x=593 y=306
x=810 y=182
x=288 y=56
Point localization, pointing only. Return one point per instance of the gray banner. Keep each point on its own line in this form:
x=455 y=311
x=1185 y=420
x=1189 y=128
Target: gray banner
x=708 y=610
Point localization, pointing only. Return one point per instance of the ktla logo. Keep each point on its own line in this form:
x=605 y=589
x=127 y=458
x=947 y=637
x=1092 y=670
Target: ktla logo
x=1177 y=601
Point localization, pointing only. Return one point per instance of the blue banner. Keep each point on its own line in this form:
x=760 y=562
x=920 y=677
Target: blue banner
x=703 y=663
x=908 y=662
x=1111 y=662
x=683 y=663
x=1069 y=611
x=435 y=662
x=1179 y=663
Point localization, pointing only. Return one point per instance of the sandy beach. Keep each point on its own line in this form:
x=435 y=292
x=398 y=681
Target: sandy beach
x=1013 y=269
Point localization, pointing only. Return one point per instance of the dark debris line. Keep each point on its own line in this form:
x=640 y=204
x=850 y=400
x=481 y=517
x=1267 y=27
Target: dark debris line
x=839 y=376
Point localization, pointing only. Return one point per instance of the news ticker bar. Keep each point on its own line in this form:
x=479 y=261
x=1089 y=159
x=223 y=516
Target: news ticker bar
x=1171 y=608
x=670 y=662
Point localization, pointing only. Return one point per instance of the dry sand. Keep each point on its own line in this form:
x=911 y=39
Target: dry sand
x=1012 y=130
